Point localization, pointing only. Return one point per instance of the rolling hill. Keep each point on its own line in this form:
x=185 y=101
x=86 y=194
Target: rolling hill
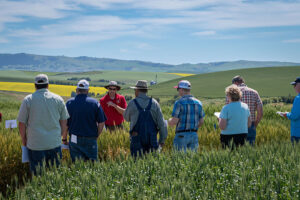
x=30 y=62
x=269 y=82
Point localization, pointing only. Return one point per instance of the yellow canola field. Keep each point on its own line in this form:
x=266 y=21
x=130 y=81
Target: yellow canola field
x=62 y=90
x=181 y=74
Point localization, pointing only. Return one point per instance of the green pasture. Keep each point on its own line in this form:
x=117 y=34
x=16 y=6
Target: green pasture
x=269 y=82
x=127 y=77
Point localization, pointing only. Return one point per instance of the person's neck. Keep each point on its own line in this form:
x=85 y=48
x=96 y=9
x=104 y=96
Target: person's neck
x=112 y=96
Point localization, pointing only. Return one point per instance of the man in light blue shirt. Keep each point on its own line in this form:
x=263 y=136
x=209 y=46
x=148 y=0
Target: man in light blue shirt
x=42 y=120
x=294 y=115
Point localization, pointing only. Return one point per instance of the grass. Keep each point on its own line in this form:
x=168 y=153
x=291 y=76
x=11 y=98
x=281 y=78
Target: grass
x=271 y=129
x=265 y=172
x=269 y=82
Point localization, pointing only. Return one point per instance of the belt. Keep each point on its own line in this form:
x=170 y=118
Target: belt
x=88 y=137
x=190 y=130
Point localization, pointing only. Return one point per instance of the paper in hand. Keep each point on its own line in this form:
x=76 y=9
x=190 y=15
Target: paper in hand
x=217 y=114
x=25 y=157
x=11 y=123
x=281 y=113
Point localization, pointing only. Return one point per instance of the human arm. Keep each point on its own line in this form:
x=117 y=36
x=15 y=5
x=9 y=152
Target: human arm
x=22 y=130
x=249 y=122
x=100 y=128
x=173 y=121
x=259 y=115
x=222 y=123
x=161 y=126
x=201 y=121
x=118 y=108
x=22 y=118
x=295 y=112
x=64 y=130
x=128 y=111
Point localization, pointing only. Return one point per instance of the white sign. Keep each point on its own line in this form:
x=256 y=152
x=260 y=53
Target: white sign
x=11 y=124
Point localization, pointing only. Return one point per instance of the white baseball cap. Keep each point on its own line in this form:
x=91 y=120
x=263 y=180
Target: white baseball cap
x=83 y=84
x=183 y=84
x=41 y=79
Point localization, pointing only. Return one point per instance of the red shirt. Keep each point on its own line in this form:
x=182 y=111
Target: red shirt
x=113 y=116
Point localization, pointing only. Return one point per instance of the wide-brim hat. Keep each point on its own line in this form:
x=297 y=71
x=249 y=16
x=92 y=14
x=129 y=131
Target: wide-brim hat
x=41 y=79
x=141 y=84
x=114 y=84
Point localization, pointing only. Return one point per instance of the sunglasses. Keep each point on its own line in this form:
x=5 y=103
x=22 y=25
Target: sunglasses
x=112 y=88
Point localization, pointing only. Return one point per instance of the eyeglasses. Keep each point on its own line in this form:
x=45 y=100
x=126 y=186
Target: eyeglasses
x=112 y=88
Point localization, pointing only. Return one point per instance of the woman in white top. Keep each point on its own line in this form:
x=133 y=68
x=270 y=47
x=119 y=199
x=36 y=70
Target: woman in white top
x=234 y=119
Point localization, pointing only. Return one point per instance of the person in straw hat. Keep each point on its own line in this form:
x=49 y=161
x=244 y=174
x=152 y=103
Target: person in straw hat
x=146 y=120
x=114 y=106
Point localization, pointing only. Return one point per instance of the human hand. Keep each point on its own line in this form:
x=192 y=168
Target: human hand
x=110 y=103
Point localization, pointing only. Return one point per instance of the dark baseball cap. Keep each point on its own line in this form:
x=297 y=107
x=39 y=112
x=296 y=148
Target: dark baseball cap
x=296 y=81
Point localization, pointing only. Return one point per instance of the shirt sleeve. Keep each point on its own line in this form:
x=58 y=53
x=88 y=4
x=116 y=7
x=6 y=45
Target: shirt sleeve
x=23 y=112
x=224 y=114
x=123 y=103
x=258 y=100
x=64 y=115
x=100 y=114
x=201 y=113
x=176 y=110
x=162 y=128
x=295 y=112
x=128 y=111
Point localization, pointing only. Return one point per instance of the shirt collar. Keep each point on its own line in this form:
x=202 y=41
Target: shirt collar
x=81 y=95
x=187 y=96
x=42 y=90
x=142 y=95
x=242 y=85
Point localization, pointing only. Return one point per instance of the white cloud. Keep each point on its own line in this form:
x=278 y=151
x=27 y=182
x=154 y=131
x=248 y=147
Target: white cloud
x=204 y=33
x=292 y=41
x=152 y=18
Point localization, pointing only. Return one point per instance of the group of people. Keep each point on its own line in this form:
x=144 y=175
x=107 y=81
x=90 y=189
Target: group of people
x=45 y=120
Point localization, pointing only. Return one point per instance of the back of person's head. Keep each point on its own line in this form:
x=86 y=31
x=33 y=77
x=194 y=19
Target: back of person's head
x=41 y=81
x=233 y=92
x=238 y=79
x=82 y=87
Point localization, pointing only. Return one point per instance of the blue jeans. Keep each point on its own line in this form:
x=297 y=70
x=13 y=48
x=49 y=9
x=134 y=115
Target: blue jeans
x=251 y=134
x=186 y=140
x=36 y=158
x=295 y=139
x=86 y=149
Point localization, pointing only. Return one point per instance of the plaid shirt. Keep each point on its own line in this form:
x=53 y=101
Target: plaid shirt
x=251 y=98
x=189 y=111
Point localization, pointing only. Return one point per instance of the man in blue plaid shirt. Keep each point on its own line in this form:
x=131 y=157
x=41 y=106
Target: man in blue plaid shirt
x=188 y=116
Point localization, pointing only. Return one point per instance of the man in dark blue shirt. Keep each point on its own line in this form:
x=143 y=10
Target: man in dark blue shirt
x=85 y=124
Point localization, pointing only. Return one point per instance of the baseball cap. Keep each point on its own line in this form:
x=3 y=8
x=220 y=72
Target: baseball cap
x=41 y=79
x=296 y=81
x=83 y=84
x=183 y=84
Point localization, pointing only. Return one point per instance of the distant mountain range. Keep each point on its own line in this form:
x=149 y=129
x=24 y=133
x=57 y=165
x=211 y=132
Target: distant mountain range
x=30 y=62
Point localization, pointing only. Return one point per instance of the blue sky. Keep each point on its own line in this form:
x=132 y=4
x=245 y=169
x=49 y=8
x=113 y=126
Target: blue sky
x=166 y=31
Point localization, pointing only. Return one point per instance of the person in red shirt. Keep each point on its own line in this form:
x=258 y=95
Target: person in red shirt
x=114 y=106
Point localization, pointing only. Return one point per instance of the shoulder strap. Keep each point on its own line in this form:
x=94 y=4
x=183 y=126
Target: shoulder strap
x=149 y=104
x=137 y=105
